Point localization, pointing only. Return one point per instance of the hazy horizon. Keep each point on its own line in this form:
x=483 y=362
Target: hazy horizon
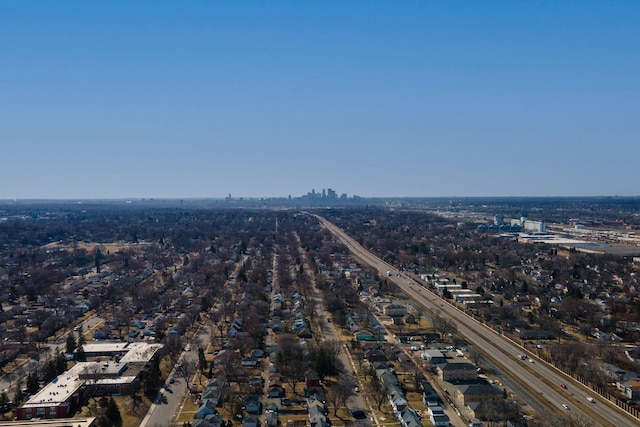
x=199 y=100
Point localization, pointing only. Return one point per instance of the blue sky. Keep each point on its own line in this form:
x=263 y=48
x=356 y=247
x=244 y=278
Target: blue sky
x=122 y=99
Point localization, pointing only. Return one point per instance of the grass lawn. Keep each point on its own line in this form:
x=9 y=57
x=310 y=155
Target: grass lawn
x=130 y=417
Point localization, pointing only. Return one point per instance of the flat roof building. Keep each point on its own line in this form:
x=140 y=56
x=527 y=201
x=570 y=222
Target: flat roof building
x=62 y=396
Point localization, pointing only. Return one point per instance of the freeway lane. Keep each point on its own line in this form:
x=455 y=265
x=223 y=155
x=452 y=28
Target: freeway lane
x=539 y=376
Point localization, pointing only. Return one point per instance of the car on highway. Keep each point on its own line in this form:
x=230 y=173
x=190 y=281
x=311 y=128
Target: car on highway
x=563 y=386
x=591 y=399
x=565 y=406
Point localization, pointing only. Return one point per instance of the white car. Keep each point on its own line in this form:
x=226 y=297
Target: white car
x=591 y=399
x=565 y=406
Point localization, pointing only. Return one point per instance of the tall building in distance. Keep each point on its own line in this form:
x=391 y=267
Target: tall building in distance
x=326 y=194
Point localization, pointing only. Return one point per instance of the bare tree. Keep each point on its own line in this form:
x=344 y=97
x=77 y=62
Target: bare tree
x=217 y=317
x=229 y=363
x=340 y=391
x=378 y=391
x=293 y=373
x=173 y=347
x=445 y=326
x=334 y=347
x=235 y=402
x=185 y=370
x=579 y=421
x=475 y=356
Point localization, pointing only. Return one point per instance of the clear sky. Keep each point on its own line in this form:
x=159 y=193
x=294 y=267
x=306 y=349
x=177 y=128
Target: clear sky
x=177 y=99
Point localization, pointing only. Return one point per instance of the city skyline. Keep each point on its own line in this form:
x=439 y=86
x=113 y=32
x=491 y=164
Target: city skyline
x=415 y=99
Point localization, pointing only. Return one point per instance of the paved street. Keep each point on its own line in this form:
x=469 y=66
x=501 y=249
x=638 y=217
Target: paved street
x=168 y=403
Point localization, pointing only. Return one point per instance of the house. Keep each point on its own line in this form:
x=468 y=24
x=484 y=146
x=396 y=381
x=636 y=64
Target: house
x=632 y=389
x=440 y=420
x=213 y=391
x=366 y=281
x=83 y=306
x=299 y=324
x=257 y=353
x=618 y=375
x=271 y=407
x=275 y=388
x=395 y=310
x=138 y=323
x=252 y=404
x=276 y=325
x=437 y=416
x=409 y=418
x=312 y=379
x=101 y=333
x=256 y=382
x=364 y=336
x=237 y=323
x=317 y=413
x=208 y=407
x=250 y=421
x=390 y=381
x=212 y=420
x=271 y=418
x=428 y=393
x=375 y=354
x=399 y=404
x=249 y=362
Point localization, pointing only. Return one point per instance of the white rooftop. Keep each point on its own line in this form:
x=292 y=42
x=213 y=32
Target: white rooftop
x=105 y=347
x=60 y=389
x=64 y=386
x=140 y=352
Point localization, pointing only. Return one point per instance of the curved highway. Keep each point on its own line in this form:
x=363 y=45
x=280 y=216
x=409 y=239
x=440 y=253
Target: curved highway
x=542 y=378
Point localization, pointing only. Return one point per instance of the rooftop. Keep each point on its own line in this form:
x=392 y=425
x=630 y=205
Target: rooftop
x=66 y=422
x=105 y=347
x=60 y=389
x=140 y=352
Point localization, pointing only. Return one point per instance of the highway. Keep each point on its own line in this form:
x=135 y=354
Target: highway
x=539 y=376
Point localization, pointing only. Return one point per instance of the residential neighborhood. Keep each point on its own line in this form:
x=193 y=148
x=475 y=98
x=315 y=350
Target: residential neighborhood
x=271 y=321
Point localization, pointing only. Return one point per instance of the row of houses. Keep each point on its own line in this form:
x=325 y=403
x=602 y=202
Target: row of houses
x=407 y=416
